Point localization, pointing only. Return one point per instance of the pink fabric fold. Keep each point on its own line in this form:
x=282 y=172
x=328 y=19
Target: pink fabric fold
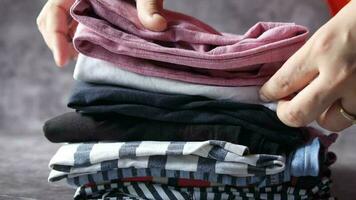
x=189 y=50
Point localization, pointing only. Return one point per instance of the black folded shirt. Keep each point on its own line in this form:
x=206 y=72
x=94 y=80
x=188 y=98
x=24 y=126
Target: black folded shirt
x=76 y=127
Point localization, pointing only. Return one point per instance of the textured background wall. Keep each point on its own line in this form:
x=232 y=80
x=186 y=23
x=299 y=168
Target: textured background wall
x=32 y=89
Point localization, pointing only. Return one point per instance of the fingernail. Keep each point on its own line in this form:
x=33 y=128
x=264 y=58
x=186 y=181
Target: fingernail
x=56 y=57
x=65 y=63
x=59 y=62
x=160 y=22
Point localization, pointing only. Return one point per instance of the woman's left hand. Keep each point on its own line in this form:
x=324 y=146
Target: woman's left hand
x=323 y=72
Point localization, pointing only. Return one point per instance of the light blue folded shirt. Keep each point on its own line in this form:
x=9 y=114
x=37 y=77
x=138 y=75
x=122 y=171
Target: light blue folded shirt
x=305 y=160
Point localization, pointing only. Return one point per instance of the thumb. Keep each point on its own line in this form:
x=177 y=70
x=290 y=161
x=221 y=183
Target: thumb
x=150 y=14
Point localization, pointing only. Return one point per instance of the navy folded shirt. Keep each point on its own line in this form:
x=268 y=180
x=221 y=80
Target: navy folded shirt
x=186 y=109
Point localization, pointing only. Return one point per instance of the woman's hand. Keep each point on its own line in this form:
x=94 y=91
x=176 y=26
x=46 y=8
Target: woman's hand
x=322 y=73
x=57 y=26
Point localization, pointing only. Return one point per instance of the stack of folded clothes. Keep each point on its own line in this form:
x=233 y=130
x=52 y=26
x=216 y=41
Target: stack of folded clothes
x=176 y=114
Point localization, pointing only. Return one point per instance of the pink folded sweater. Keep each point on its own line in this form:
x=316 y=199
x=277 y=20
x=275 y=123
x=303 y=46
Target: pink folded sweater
x=189 y=50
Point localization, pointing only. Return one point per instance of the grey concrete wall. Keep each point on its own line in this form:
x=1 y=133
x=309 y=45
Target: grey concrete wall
x=32 y=89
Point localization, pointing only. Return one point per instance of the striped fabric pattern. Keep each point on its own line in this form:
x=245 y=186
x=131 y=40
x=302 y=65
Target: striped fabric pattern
x=217 y=157
x=142 y=190
x=106 y=176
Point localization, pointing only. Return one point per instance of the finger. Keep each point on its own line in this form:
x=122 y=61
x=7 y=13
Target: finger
x=72 y=29
x=46 y=39
x=61 y=48
x=295 y=74
x=58 y=16
x=333 y=120
x=308 y=104
x=73 y=53
x=57 y=30
x=67 y=49
x=65 y=4
x=41 y=18
x=41 y=24
x=150 y=14
x=68 y=46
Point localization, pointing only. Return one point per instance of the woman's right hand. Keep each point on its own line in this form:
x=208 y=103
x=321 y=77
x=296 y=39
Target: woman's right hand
x=57 y=26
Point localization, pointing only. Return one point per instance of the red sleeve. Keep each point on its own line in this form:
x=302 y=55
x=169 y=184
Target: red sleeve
x=336 y=5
